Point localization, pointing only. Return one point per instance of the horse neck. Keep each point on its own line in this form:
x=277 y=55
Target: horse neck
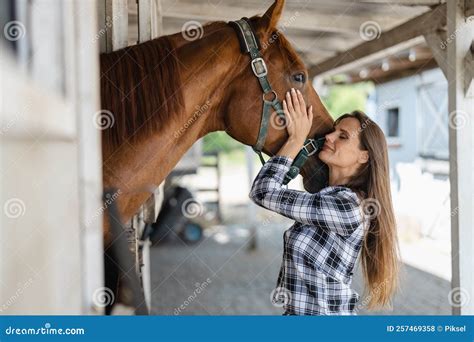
x=204 y=72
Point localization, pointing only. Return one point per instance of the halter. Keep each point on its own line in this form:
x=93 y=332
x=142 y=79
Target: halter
x=250 y=44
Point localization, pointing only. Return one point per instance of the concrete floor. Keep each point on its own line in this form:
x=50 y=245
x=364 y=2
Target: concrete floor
x=220 y=275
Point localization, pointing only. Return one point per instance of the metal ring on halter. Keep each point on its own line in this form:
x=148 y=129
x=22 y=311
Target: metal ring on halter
x=275 y=96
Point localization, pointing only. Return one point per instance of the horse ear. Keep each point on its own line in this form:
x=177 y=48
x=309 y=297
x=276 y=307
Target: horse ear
x=270 y=19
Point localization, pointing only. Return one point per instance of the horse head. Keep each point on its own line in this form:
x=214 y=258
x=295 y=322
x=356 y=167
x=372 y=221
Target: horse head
x=285 y=70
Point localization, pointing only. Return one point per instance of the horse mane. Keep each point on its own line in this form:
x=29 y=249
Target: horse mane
x=140 y=87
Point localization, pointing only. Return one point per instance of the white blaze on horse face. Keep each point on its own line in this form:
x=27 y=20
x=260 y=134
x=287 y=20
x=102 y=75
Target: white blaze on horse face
x=341 y=148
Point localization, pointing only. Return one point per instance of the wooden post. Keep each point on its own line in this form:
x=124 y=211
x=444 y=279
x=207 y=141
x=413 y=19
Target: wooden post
x=113 y=24
x=150 y=22
x=461 y=133
x=85 y=95
x=144 y=20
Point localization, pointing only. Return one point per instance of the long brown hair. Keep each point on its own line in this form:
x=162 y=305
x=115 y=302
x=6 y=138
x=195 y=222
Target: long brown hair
x=380 y=253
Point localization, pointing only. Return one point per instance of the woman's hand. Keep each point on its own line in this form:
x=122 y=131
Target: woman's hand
x=299 y=119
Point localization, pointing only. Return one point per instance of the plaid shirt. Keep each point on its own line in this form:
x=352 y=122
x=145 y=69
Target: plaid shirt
x=320 y=248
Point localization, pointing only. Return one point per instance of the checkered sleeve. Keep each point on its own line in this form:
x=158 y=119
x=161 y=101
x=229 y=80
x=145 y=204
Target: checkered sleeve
x=335 y=211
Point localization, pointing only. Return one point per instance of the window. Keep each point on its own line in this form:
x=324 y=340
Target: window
x=392 y=122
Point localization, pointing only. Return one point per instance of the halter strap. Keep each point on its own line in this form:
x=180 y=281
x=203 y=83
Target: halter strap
x=249 y=43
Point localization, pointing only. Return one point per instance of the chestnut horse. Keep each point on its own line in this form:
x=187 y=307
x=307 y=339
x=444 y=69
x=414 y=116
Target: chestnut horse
x=167 y=93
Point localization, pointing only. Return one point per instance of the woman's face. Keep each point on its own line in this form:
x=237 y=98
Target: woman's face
x=341 y=148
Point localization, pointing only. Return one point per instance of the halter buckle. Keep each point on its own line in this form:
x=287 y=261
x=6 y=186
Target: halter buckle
x=259 y=67
x=315 y=148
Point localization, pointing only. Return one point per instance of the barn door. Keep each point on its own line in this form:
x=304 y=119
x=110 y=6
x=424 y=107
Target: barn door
x=433 y=113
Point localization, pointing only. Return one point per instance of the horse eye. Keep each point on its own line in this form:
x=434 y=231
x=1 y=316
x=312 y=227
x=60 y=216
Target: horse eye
x=300 y=77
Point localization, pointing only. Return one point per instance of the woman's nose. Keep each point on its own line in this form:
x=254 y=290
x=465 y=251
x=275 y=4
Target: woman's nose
x=329 y=137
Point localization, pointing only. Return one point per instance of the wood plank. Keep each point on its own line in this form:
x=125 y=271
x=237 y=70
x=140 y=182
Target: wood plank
x=20 y=119
x=86 y=98
x=150 y=21
x=406 y=2
x=396 y=39
x=469 y=8
x=469 y=73
x=156 y=19
x=461 y=175
x=144 y=20
x=298 y=16
x=436 y=42
x=116 y=22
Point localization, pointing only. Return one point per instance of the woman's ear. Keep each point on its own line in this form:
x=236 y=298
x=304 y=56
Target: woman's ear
x=363 y=156
x=267 y=23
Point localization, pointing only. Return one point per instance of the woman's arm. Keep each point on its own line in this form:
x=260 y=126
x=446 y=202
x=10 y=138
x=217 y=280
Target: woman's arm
x=291 y=148
x=337 y=212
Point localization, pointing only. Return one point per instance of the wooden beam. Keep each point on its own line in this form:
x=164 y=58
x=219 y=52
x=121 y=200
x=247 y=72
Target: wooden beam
x=299 y=16
x=396 y=39
x=144 y=20
x=398 y=69
x=150 y=21
x=156 y=9
x=469 y=8
x=406 y=2
x=86 y=99
x=469 y=73
x=115 y=22
x=437 y=43
x=461 y=161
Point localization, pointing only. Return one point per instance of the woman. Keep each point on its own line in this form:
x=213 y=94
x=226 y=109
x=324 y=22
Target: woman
x=352 y=215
